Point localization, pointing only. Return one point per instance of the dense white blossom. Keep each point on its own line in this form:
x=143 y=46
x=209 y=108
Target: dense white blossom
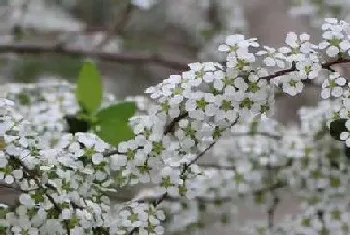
x=65 y=179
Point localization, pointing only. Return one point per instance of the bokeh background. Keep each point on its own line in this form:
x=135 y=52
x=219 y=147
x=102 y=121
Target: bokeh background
x=137 y=43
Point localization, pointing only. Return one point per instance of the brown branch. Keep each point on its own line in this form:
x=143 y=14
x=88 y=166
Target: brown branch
x=112 y=152
x=280 y=72
x=120 y=57
x=328 y=65
x=171 y=126
x=325 y=65
x=127 y=57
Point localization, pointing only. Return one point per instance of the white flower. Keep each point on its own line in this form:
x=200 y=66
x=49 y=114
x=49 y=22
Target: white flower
x=97 y=158
x=26 y=199
x=292 y=85
x=273 y=58
x=309 y=68
x=333 y=86
x=118 y=161
x=291 y=40
x=344 y=45
x=66 y=214
x=332 y=51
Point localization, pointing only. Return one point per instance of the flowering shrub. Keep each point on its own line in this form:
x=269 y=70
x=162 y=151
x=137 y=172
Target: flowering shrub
x=69 y=182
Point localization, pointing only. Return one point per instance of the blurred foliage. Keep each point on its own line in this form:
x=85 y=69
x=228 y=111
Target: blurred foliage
x=28 y=69
x=325 y=7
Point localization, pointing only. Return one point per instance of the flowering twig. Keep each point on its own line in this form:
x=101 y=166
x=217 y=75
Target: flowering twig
x=325 y=65
x=280 y=72
x=159 y=200
x=170 y=127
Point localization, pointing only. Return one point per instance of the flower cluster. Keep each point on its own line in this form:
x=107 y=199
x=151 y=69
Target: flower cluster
x=67 y=182
x=144 y=217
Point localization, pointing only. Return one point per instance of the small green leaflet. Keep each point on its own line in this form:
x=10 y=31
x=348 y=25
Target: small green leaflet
x=112 y=123
x=122 y=111
x=114 y=131
x=89 y=88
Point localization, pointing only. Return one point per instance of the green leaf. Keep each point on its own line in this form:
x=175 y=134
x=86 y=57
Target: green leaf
x=24 y=99
x=112 y=123
x=89 y=88
x=122 y=111
x=114 y=131
x=26 y=70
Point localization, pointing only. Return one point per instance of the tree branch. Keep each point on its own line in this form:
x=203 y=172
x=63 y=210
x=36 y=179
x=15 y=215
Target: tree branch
x=325 y=65
x=120 y=57
x=170 y=128
x=328 y=65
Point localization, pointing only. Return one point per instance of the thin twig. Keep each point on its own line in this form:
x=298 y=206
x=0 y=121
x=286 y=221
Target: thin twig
x=171 y=126
x=280 y=72
x=118 y=25
x=155 y=200
x=271 y=211
x=187 y=166
x=326 y=65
